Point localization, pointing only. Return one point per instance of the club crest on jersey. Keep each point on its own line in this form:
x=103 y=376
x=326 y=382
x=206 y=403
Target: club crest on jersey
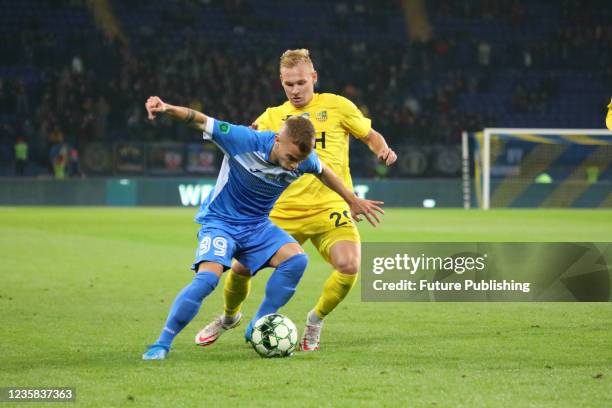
x=224 y=127
x=321 y=116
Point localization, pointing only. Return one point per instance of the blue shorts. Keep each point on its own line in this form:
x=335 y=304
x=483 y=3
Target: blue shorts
x=251 y=245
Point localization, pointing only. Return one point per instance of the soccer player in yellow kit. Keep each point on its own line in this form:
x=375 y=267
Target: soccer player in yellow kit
x=308 y=209
x=609 y=117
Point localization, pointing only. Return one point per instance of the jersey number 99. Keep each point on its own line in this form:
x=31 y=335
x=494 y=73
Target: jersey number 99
x=219 y=245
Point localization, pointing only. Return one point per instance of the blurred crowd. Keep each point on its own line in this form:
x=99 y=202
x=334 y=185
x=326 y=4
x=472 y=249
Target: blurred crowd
x=94 y=89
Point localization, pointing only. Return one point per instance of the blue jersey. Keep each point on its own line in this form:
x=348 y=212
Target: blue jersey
x=248 y=185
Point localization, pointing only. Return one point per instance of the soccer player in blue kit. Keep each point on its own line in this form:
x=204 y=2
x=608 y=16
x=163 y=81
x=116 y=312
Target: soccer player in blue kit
x=257 y=168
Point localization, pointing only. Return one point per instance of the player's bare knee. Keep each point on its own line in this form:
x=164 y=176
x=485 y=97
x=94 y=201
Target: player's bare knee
x=291 y=249
x=346 y=265
x=285 y=252
x=345 y=256
x=214 y=267
x=240 y=269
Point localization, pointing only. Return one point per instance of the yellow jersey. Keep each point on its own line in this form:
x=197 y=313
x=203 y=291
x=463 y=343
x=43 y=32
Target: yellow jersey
x=334 y=118
x=609 y=117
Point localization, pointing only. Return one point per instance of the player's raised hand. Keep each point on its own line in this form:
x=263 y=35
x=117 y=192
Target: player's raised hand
x=387 y=155
x=367 y=208
x=154 y=106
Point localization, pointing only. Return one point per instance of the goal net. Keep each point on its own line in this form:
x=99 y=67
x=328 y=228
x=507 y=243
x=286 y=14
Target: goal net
x=538 y=168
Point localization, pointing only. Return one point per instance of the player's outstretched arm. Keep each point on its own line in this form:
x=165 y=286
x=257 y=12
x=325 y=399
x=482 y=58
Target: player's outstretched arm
x=191 y=117
x=359 y=206
x=378 y=145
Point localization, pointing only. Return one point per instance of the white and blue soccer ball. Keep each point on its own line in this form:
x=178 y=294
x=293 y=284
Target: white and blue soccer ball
x=274 y=335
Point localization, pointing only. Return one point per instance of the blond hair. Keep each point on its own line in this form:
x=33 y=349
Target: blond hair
x=291 y=58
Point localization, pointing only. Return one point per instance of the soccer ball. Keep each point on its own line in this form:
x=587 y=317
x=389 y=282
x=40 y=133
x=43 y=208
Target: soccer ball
x=274 y=335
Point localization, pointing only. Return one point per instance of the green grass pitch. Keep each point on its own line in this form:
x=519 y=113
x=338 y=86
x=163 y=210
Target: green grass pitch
x=84 y=290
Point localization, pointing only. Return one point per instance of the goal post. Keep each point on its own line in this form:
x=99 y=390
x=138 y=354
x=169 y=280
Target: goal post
x=537 y=168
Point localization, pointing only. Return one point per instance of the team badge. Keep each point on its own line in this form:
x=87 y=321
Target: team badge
x=224 y=127
x=321 y=116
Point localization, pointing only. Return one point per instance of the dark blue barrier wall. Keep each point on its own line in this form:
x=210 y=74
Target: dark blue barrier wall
x=190 y=192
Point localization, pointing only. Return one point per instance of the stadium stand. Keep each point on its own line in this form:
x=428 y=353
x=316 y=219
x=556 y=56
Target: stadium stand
x=67 y=76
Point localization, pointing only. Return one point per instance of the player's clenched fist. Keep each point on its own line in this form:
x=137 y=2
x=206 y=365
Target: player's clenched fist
x=154 y=106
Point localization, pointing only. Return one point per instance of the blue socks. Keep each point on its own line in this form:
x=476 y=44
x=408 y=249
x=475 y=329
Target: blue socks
x=280 y=287
x=186 y=306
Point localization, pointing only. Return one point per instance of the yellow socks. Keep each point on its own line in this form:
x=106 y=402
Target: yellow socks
x=235 y=291
x=337 y=286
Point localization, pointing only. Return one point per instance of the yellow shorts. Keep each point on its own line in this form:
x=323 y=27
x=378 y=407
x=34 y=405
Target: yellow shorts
x=324 y=228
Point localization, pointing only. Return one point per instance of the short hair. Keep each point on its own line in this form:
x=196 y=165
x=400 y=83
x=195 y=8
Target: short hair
x=291 y=58
x=301 y=132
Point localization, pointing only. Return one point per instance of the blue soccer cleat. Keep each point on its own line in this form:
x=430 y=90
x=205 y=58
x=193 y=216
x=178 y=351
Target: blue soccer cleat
x=155 y=352
x=248 y=333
